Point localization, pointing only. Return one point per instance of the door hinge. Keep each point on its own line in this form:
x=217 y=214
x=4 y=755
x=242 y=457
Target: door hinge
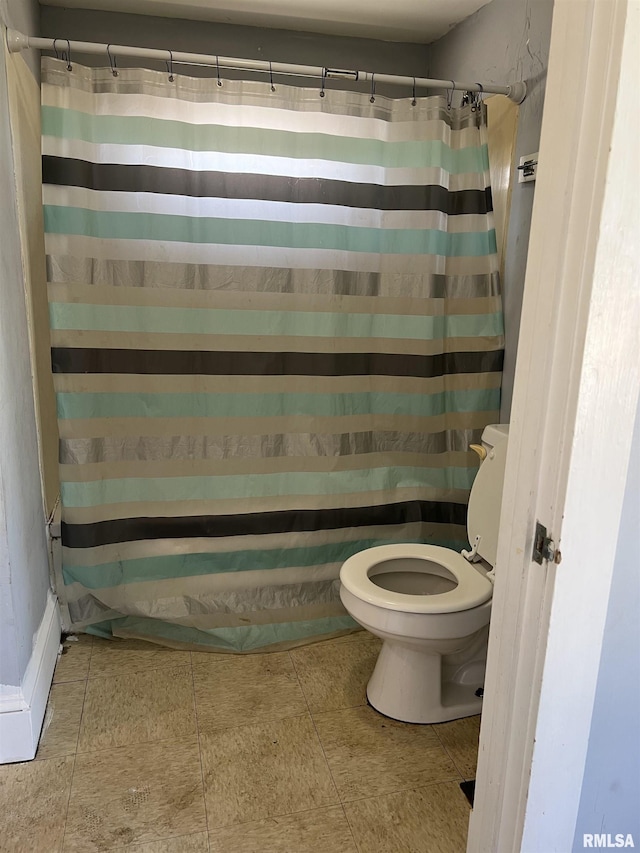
x=544 y=547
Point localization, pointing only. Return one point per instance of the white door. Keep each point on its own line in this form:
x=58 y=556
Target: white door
x=575 y=401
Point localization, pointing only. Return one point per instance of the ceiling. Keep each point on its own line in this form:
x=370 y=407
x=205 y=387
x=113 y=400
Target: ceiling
x=420 y=21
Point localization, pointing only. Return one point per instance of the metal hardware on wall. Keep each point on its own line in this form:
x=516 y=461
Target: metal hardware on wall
x=528 y=168
x=544 y=547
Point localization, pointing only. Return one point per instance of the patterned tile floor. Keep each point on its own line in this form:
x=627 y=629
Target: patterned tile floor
x=159 y=751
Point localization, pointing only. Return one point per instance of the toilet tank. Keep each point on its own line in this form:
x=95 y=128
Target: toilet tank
x=494 y=434
x=485 y=500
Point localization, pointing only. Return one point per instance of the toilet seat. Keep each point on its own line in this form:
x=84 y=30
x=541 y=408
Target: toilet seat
x=473 y=588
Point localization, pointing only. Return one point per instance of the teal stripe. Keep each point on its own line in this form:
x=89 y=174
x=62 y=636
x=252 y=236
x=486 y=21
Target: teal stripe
x=165 y=133
x=230 y=487
x=241 y=639
x=202 y=321
x=143 y=569
x=138 y=405
x=117 y=225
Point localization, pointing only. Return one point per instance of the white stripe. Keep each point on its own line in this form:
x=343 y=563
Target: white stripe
x=264 y=256
x=177 y=158
x=271 y=211
x=276 y=117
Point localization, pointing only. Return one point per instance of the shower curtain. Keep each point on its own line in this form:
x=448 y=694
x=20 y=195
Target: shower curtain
x=276 y=328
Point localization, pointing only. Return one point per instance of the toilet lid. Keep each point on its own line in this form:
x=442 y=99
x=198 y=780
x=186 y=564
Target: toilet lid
x=473 y=587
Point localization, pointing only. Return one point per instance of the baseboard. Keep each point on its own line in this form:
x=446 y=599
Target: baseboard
x=21 y=718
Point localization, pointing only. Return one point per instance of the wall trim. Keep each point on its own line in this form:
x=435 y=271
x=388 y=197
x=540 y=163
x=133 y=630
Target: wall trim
x=22 y=713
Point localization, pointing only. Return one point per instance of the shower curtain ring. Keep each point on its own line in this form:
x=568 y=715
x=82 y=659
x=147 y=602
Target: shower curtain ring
x=66 y=57
x=476 y=98
x=324 y=74
x=69 y=65
x=450 y=94
x=112 y=62
x=218 y=70
x=169 y=65
x=372 y=99
x=413 y=100
x=478 y=102
x=273 y=88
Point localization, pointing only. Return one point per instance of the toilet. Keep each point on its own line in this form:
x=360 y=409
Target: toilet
x=431 y=607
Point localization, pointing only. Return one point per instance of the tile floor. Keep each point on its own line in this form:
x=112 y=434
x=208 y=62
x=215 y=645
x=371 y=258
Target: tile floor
x=152 y=750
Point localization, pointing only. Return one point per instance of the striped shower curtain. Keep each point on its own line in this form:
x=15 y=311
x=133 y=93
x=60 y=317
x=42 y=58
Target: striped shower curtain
x=276 y=328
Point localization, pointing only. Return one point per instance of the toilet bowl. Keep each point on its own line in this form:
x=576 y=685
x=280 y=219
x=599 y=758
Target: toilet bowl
x=431 y=607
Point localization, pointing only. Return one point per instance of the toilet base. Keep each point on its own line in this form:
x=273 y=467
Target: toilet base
x=416 y=686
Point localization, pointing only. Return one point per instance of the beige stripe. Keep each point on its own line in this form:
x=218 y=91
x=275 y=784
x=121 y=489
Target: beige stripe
x=91 y=471
x=131 y=634
x=98 y=427
x=79 y=451
x=176 y=605
x=265 y=256
x=225 y=544
x=97 y=614
x=89 y=294
x=211 y=621
x=267 y=343
x=149 y=383
x=176 y=611
x=170 y=509
x=200 y=585
x=166 y=275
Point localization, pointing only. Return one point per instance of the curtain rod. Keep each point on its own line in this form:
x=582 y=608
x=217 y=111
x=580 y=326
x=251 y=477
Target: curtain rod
x=17 y=42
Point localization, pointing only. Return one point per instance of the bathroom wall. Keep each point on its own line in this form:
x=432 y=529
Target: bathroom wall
x=230 y=40
x=506 y=40
x=24 y=569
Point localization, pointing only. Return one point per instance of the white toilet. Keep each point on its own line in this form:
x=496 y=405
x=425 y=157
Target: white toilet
x=431 y=606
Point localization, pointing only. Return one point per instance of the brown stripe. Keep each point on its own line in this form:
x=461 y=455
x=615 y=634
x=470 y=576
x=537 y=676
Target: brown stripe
x=116 y=177
x=130 y=529
x=81 y=360
x=138 y=549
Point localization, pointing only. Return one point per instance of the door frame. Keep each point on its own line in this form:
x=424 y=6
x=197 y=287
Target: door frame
x=576 y=390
